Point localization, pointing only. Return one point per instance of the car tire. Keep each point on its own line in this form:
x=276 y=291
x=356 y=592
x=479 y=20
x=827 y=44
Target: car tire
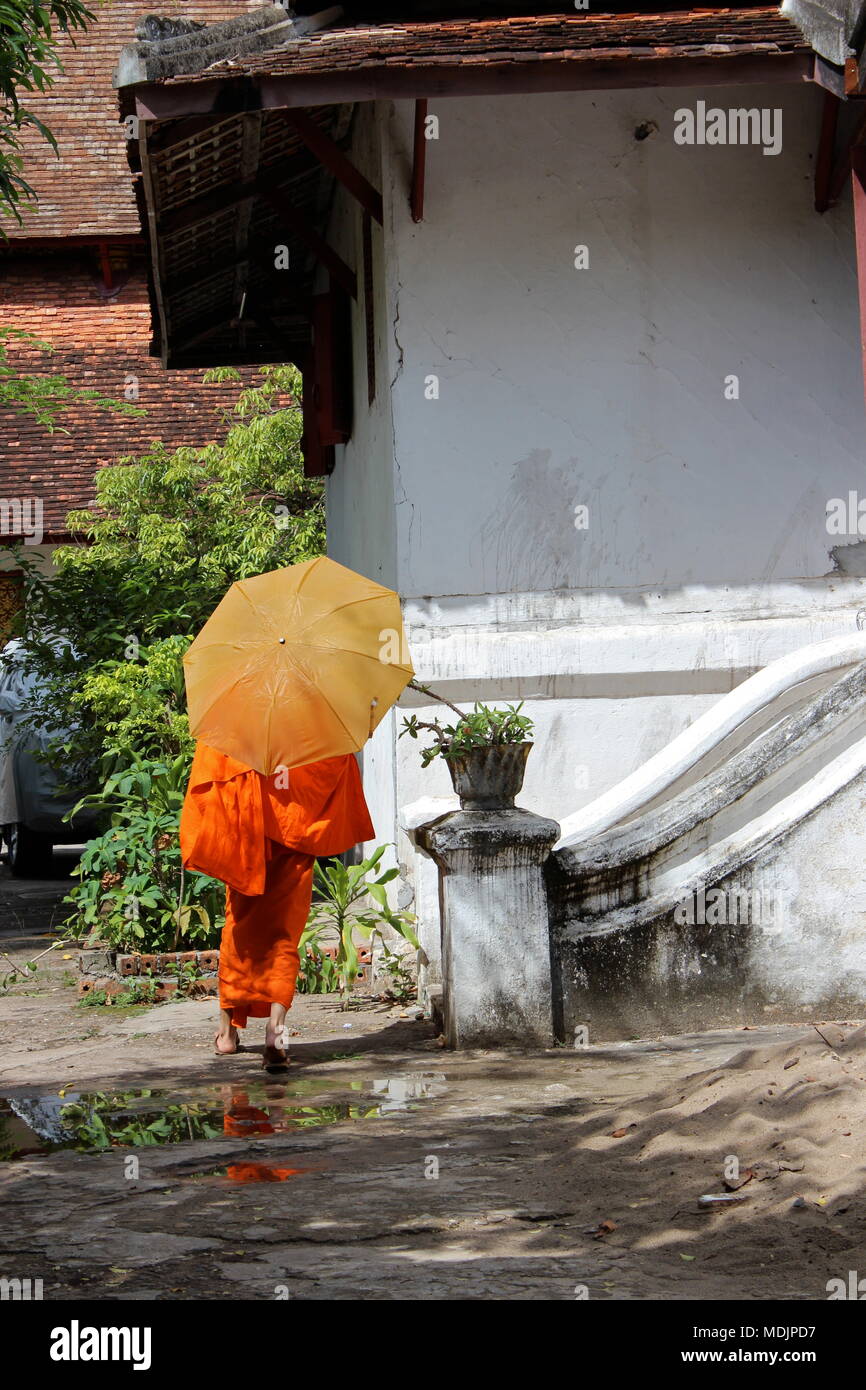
x=29 y=853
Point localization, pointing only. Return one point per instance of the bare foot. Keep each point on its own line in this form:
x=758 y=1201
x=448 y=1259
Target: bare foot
x=225 y=1043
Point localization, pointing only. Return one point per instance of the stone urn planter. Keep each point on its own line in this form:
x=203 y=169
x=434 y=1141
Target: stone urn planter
x=488 y=779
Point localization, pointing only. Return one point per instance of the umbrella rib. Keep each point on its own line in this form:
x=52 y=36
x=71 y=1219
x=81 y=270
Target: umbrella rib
x=350 y=603
x=340 y=721
x=229 y=689
x=367 y=656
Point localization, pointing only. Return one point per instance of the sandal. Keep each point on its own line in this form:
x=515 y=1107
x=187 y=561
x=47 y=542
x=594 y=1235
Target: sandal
x=274 y=1057
x=235 y=1049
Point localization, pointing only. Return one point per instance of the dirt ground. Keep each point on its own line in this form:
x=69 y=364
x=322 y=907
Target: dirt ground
x=385 y=1167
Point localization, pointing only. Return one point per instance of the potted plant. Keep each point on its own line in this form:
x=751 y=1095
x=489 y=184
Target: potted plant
x=485 y=751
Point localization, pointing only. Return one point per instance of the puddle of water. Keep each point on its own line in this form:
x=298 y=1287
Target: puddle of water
x=250 y=1172
x=93 y=1122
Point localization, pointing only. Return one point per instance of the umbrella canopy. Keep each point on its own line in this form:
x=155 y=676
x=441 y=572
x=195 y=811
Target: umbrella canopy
x=296 y=665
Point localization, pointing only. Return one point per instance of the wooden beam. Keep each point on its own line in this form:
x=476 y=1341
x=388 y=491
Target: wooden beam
x=419 y=160
x=207 y=206
x=105 y=266
x=251 y=140
x=288 y=350
x=853 y=79
x=146 y=200
x=318 y=458
x=842 y=168
x=824 y=156
x=858 y=171
x=299 y=223
x=222 y=95
x=329 y=154
x=168 y=136
x=828 y=77
x=20 y=245
x=369 y=312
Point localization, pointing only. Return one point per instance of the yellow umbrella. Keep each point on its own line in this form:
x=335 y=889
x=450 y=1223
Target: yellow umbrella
x=296 y=665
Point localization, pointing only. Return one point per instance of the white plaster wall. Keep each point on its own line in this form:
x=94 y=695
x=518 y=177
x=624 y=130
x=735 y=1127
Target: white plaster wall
x=605 y=386
x=707 y=553
x=362 y=528
x=41 y=554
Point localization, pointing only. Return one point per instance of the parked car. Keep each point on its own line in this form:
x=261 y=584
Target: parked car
x=32 y=806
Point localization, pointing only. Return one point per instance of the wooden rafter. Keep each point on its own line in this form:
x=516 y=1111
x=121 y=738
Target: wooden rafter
x=841 y=169
x=858 y=180
x=419 y=161
x=251 y=141
x=170 y=135
x=824 y=157
x=332 y=158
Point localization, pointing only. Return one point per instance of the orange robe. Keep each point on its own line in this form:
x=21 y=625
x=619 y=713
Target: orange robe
x=261 y=838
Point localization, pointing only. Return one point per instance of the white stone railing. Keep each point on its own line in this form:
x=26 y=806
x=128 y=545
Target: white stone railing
x=777 y=685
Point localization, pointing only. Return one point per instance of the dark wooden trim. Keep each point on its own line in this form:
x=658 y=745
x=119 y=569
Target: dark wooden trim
x=221 y=95
x=369 y=311
x=853 y=80
x=419 y=160
x=62 y=243
x=331 y=389
x=830 y=78
x=105 y=266
x=858 y=181
x=318 y=458
x=842 y=167
x=824 y=156
x=329 y=154
x=277 y=355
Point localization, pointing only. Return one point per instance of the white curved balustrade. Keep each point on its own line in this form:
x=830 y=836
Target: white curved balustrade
x=774 y=685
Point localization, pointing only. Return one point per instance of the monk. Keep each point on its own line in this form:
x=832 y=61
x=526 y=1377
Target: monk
x=260 y=836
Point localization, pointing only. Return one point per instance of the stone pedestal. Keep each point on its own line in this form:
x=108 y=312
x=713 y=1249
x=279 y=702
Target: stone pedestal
x=495 y=931
x=415 y=820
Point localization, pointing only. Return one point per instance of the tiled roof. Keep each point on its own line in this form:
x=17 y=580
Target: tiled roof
x=97 y=343
x=473 y=43
x=88 y=191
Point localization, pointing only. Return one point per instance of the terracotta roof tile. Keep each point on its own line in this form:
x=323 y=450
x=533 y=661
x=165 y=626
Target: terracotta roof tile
x=97 y=343
x=88 y=190
x=476 y=42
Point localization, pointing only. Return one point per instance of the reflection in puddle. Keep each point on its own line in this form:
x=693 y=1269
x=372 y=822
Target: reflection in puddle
x=96 y=1121
x=398 y=1091
x=250 y=1172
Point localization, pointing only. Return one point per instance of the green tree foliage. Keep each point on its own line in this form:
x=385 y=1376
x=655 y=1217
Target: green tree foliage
x=170 y=531
x=45 y=398
x=105 y=636
x=29 y=30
